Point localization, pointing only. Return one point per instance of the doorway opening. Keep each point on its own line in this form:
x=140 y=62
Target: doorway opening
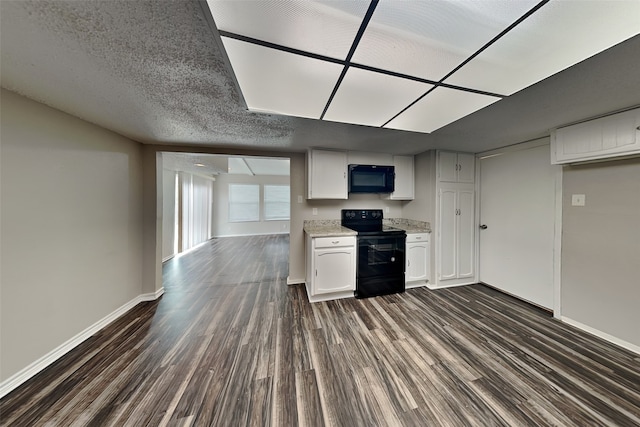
x=207 y=196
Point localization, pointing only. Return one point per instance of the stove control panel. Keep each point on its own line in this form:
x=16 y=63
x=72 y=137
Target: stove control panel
x=363 y=214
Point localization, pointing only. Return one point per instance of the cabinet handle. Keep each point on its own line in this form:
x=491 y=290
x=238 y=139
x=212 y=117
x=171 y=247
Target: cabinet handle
x=335 y=242
x=418 y=238
x=316 y=272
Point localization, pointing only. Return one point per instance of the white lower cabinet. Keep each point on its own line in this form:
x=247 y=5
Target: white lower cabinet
x=331 y=267
x=417 y=256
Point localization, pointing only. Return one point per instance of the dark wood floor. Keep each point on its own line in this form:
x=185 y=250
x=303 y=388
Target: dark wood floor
x=230 y=344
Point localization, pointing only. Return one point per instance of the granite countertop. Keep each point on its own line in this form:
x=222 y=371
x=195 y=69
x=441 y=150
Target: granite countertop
x=326 y=228
x=408 y=225
x=332 y=227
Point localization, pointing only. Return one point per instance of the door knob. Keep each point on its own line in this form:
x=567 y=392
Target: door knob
x=483 y=227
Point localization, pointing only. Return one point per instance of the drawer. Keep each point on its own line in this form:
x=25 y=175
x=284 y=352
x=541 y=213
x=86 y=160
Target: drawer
x=417 y=237
x=332 y=242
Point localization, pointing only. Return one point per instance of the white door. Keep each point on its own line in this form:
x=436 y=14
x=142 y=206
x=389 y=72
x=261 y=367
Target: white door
x=517 y=205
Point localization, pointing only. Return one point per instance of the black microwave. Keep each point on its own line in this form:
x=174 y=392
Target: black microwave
x=371 y=179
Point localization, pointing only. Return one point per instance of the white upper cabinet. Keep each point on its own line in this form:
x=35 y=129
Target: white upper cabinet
x=405 y=179
x=326 y=174
x=456 y=167
x=611 y=136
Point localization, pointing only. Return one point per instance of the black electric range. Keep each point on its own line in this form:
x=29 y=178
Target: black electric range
x=381 y=253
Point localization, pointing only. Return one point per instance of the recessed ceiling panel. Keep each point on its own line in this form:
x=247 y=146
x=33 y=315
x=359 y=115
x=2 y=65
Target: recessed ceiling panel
x=326 y=28
x=428 y=39
x=283 y=83
x=559 y=35
x=266 y=166
x=367 y=98
x=439 y=108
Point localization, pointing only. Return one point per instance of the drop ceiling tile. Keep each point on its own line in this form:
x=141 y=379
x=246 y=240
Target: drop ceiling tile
x=323 y=27
x=368 y=98
x=278 y=82
x=428 y=39
x=559 y=35
x=439 y=108
x=267 y=166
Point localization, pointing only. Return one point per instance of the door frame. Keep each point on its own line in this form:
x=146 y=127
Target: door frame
x=557 y=238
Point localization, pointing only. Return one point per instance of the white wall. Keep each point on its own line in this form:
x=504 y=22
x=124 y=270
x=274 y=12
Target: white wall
x=221 y=225
x=72 y=234
x=601 y=248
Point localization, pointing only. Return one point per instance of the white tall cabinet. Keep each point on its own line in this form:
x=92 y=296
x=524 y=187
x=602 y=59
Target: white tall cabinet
x=455 y=228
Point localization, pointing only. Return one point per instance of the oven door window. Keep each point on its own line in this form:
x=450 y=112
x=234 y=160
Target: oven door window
x=380 y=256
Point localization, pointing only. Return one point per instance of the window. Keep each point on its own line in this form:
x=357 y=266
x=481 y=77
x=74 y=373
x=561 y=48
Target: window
x=276 y=202
x=244 y=202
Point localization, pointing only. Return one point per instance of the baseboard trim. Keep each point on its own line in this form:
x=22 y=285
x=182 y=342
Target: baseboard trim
x=13 y=382
x=434 y=287
x=291 y=281
x=615 y=340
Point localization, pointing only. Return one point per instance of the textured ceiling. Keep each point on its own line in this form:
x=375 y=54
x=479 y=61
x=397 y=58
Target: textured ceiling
x=153 y=71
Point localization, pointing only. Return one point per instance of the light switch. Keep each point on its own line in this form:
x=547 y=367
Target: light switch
x=578 y=199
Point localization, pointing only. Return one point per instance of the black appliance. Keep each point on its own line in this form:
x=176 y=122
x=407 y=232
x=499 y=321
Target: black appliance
x=371 y=179
x=381 y=253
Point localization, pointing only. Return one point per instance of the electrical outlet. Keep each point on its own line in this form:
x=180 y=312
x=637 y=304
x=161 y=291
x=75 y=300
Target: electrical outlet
x=299 y=199
x=578 y=199
x=315 y=211
x=386 y=209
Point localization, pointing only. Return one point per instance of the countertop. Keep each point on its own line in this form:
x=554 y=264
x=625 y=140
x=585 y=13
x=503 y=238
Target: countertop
x=332 y=227
x=409 y=225
x=327 y=228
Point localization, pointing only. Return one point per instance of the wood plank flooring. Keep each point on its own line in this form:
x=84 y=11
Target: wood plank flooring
x=230 y=344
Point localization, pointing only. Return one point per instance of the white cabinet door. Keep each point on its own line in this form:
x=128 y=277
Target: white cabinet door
x=404 y=182
x=417 y=256
x=456 y=167
x=327 y=174
x=334 y=270
x=447 y=166
x=466 y=167
x=465 y=233
x=456 y=233
x=447 y=239
x=610 y=136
